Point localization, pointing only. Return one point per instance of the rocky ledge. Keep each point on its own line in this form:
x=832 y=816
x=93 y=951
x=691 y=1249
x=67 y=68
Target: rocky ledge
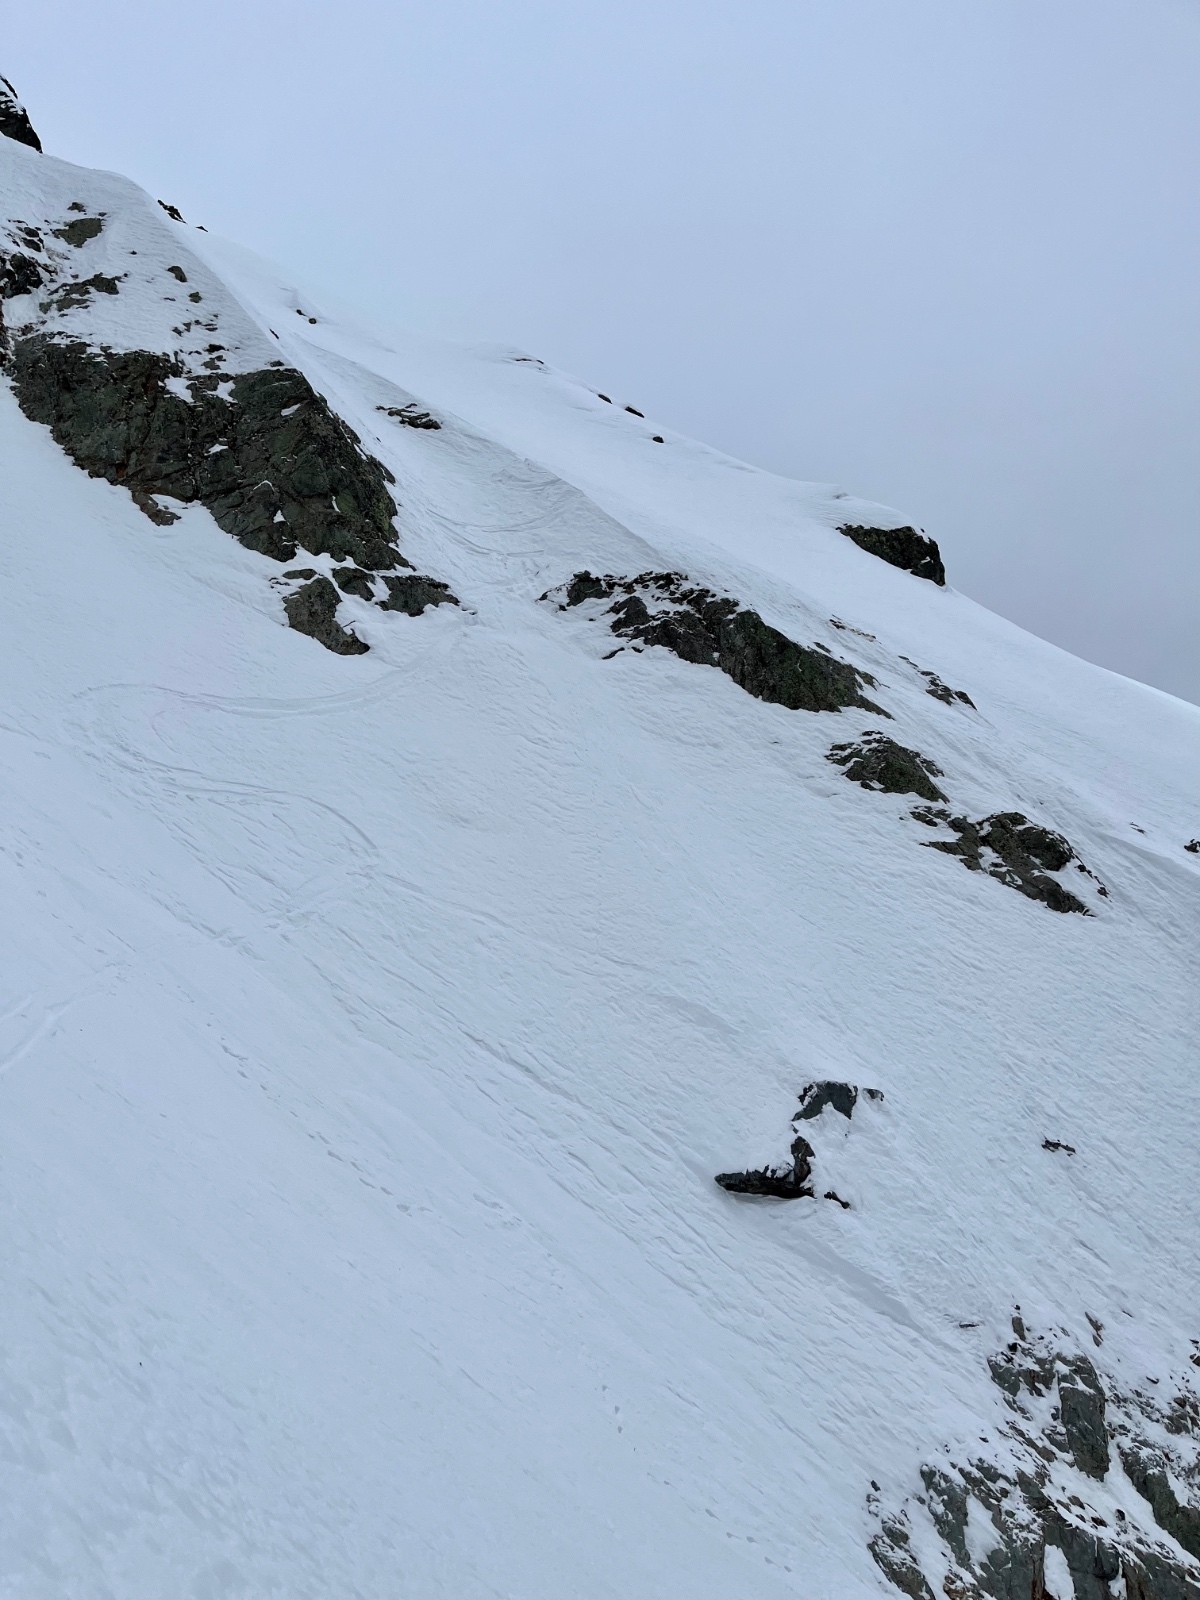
x=666 y=609
x=906 y=548
x=1014 y=850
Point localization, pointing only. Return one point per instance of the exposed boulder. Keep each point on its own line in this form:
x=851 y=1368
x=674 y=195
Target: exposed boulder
x=412 y=593
x=665 y=609
x=1016 y=851
x=411 y=416
x=905 y=548
x=793 y=1180
x=788 y=1181
x=312 y=609
x=79 y=231
x=842 y=1097
x=14 y=119
x=877 y=762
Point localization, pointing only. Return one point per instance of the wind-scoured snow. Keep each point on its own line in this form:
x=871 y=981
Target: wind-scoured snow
x=372 y=1028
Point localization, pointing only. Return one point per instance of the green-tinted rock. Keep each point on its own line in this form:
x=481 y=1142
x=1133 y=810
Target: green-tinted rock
x=877 y=762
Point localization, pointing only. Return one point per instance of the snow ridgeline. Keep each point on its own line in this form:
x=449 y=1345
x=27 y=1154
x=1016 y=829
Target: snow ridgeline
x=377 y=1016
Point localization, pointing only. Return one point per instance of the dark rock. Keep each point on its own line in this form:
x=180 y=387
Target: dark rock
x=1094 y=1564
x=948 y=1507
x=658 y=438
x=789 y=1182
x=1194 y=846
x=939 y=689
x=353 y=580
x=843 y=1097
x=1057 y=1144
x=794 y=1180
x=892 y=1555
x=78 y=231
x=1082 y=1412
x=410 y=416
x=413 y=594
x=14 y=119
x=663 y=608
x=19 y=274
x=1147 y=1471
x=900 y=547
x=178 y=272
x=1023 y=1496
x=172 y=211
x=78 y=291
x=877 y=762
x=313 y=610
x=1016 y=851
x=275 y=466
x=634 y=412
x=605 y=398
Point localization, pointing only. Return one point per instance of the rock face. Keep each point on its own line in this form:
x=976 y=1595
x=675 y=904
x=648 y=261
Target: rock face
x=1016 y=851
x=313 y=610
x=793 y=1180
x=262 y=451
x=905 y=548
x=14 y=119
x=877 y=762
x=665 y=609
x=1065 y=1433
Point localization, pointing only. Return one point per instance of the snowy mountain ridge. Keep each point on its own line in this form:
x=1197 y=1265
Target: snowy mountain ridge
x=453 y=820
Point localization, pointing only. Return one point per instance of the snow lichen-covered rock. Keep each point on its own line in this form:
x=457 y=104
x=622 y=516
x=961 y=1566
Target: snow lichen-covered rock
x=375 y=1017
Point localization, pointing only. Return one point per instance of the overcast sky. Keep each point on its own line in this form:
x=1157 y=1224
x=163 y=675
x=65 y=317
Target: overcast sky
x=943 y=252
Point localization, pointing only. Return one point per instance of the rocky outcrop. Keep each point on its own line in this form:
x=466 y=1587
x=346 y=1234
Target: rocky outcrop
x=905 y=548
x=1030 y=1494
x=14 y=119
x=793 y=1179
x=262 y=451
x=411 y=416
x=938 y=688
x=312 y=609
x=879 y=763
x=667 y=610
x=1014 y=850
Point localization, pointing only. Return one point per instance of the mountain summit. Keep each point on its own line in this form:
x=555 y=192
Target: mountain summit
x=576 y=1021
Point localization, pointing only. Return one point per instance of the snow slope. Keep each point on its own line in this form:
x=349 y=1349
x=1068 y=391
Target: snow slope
x=371 y=1028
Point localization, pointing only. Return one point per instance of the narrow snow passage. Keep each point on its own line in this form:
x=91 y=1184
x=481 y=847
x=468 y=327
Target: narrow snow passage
x=371 y=1030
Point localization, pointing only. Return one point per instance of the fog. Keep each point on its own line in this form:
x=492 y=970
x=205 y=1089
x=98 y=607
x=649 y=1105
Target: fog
x=945 y=254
